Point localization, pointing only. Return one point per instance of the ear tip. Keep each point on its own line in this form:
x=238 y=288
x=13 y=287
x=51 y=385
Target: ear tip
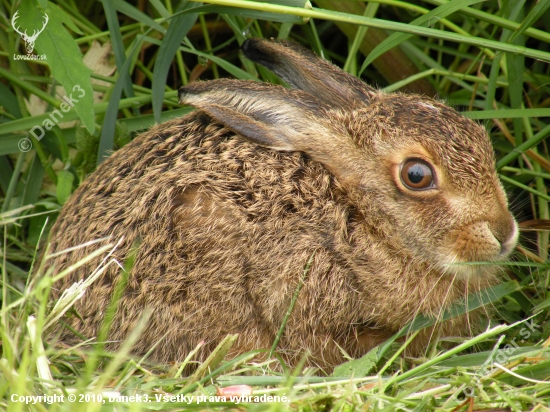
x=254 y=47
x=182 y=94
x=271 y=52
x=186 y=93
x=248 y=44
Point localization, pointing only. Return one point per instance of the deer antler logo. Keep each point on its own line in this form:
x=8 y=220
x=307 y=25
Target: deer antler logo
x=29 y=40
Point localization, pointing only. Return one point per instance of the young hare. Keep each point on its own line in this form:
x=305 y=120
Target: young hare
x=386 y=191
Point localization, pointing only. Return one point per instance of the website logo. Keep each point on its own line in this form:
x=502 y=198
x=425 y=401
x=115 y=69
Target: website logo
x=29 y=40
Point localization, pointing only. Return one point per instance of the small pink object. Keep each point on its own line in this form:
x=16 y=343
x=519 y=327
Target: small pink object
x=235 y=390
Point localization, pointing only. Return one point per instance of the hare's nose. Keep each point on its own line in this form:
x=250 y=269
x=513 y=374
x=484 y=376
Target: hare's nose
x=506 y=232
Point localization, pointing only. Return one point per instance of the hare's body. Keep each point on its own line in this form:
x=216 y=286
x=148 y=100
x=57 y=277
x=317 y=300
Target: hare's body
x=225 y=226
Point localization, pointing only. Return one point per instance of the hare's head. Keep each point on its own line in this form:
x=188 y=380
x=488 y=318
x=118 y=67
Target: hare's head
x=421 y=175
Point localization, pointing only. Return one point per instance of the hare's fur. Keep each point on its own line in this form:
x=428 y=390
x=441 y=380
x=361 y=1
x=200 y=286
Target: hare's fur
x=228 y=212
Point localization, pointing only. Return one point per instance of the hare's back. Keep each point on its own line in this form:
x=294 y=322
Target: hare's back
x=192 y=193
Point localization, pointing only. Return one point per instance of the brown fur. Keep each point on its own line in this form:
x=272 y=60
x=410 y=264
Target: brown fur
x=231 y=201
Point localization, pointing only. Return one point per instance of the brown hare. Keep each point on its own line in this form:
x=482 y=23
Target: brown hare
x=386 y=191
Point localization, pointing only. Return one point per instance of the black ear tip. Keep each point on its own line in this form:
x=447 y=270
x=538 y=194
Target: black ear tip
x=246 y=45
x=187 y=91
x=250 y=47
x=182 y=95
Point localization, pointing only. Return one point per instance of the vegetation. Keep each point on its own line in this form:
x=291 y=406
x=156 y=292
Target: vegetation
x=119 y=65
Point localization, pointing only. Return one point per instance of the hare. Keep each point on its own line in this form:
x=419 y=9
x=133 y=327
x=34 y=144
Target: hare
x=387 y=192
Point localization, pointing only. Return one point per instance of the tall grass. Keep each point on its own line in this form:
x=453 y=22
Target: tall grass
x=488 y=59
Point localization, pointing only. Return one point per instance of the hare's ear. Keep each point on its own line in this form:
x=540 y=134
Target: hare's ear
x=303 y=70
x=277 y=118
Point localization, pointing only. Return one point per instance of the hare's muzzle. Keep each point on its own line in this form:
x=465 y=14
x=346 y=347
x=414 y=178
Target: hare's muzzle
x=485 y=241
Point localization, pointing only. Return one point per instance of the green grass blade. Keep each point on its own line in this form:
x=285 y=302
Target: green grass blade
x=291 y=305
x=107 y=138
x=179 y=26
x=137 y=15
x=7 y=171
x=445 y=355
x=388 y=25
x=10 y=142
x=528 y=144
x=14 y=179
x=34 y=177
x=473 y=302
x=492 y=85
x=536 y=13
x=370 y=11
x=525 y=188
x=425 y=20
x=515 y=66
x=507 y=113
x=65 y=61
x=497 y=21
x=260 y=12
x=118 y=46
x=235 y=71
x=9 y=100
x=161 y=9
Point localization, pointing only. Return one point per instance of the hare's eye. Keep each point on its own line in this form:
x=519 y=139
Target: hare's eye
x=416 y=174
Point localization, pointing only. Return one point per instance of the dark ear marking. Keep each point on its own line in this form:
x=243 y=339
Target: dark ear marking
x=303 y=70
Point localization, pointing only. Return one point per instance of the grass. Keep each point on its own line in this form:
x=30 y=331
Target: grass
x=488 y=59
